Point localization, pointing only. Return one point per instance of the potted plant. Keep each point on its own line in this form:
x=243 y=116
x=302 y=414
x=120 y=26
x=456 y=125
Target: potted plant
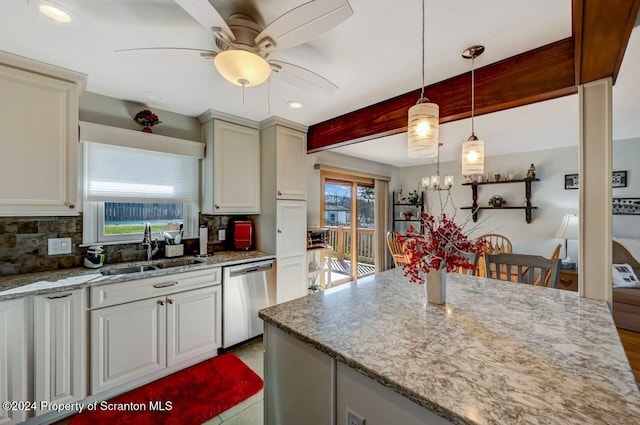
x=413 y=198
x=407 y=215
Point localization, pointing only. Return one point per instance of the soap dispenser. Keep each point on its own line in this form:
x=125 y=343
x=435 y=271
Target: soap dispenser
x=95 y=257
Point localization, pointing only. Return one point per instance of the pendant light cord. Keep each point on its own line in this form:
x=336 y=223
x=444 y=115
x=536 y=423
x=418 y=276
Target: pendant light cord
x=422 y=89
x=473 y=91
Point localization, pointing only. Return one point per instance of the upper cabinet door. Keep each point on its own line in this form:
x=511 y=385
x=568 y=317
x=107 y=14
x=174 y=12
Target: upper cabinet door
x=236 y=170
x=39 y=138
x=291 y=164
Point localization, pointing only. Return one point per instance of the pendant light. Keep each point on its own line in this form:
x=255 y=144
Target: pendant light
x=424 y=117
x=473 y=148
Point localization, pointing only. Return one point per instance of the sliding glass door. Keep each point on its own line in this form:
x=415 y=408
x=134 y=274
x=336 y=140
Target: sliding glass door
x=348 y=212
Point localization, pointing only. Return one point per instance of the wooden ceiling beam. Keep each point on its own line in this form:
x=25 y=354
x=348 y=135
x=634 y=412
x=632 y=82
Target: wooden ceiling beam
x=601 y=31
x=541 y=74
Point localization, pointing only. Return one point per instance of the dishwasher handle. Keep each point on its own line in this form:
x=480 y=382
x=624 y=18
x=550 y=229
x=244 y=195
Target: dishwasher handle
x=251 y=268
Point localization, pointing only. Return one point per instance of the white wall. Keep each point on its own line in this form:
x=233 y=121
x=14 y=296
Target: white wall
x=105 y=110
x=549 y=195
x=626 y=157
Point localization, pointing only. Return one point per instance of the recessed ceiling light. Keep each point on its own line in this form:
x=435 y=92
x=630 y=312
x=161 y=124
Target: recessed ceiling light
x=55 y=12
x=294 y=105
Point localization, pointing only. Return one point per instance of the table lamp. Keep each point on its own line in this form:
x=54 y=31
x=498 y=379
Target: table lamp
x=568 y=230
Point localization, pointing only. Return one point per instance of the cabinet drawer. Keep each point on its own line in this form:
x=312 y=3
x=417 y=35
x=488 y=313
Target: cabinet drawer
x=124 y=292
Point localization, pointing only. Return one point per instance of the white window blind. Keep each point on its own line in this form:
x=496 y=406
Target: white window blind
x=114 y=173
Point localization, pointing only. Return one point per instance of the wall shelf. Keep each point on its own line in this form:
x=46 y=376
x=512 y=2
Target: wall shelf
x=527 y=208
x=400 y=207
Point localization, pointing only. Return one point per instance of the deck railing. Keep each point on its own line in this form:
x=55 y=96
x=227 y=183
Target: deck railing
x=340 y=240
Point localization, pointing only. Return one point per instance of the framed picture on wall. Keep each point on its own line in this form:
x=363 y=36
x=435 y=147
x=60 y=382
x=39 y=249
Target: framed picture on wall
x=618 y=179
x=571 y=181
x=626 y=206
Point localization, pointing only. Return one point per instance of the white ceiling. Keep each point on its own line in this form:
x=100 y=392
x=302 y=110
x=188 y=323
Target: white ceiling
x=372 y=56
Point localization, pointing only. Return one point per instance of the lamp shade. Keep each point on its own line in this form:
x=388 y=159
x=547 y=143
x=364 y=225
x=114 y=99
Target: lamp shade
x=422 y=130
x=569 y=227
x=242 y=68
x=472 y=157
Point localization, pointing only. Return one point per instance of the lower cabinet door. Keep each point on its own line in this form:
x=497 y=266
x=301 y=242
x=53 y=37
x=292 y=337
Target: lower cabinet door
x=59 y=347
x=13 y=360
x=128 y=341
x=291 y=275
x=194 y=324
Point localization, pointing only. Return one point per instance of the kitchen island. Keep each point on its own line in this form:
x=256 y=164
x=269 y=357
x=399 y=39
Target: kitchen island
x=495 y=353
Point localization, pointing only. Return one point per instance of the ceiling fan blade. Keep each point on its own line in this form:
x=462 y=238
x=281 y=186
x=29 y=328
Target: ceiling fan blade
x=206 y=15
x=302 y=77
x=303 y=23
x=171 y=51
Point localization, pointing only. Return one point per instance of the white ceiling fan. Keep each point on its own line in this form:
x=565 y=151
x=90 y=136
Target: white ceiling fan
x=242 y=46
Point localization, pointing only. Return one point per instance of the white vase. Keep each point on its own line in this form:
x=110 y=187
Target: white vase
x=436 y=286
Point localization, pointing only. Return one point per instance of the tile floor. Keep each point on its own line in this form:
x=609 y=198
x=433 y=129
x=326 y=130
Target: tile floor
x=250 y=411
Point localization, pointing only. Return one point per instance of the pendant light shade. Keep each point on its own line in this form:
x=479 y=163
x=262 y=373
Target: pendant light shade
x=423 y=130
x=423 y=120
x=472 y=157
x=472 y=149
x=242 y=68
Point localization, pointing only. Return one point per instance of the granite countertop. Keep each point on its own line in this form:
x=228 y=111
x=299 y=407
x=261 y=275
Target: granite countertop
x=21 y=285
x=496 y=353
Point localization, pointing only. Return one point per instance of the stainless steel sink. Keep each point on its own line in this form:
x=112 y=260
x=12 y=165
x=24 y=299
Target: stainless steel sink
x=159 y=265
x=178 y=262
x=127 y=270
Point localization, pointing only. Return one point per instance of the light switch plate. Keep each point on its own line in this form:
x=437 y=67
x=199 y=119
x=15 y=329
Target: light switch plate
x=59 y=246
x=221 y=235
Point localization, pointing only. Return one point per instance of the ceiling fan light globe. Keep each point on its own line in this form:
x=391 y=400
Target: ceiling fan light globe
x=242 y=68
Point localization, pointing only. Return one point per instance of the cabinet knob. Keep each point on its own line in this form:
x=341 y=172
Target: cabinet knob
x=72 y=206
x=217 y=206
x=170 y=301
x=279 y=193
x=279 y=231
x=160 y=302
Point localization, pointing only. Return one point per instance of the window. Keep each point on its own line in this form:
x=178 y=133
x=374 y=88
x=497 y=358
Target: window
x=125 y=188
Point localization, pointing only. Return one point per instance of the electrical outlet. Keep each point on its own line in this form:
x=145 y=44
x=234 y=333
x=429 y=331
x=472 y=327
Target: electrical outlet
x=222 y=235
x=59 y=246
x=354 y=419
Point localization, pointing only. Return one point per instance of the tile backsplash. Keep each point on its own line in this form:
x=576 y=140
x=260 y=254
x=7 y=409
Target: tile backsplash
x=24 y=243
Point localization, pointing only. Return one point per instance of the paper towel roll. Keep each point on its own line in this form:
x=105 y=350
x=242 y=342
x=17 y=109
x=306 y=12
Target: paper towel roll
x=204 y=238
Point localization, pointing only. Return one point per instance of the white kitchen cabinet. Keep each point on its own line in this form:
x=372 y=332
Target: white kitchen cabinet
x=291 y=164
x=231 y=168
x=59 y=347
x=291 y=250
x=177 y=322
x=13 y=359
x=127 y=342
x=194 y=324
x=291 y=273
x=284 y=160
x=282 y=226
x=38 y=133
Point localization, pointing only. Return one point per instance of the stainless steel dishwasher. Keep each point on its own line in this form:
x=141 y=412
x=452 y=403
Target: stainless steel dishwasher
x=246 y=289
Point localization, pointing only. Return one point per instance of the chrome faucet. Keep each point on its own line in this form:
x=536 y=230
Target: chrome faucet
x=146 y=241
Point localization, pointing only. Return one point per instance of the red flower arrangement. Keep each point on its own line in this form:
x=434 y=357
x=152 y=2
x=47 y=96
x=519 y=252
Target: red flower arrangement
x=147 y=118
x=443 y=245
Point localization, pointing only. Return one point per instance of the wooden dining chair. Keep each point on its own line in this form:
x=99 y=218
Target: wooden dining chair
x=396 y=249
x=494 y=244
x=555 y=254
x=525 y=268
x=472 y=258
